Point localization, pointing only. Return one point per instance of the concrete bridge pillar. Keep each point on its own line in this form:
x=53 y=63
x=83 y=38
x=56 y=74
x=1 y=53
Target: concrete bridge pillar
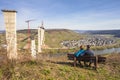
x=41 y=37
x=10 y=24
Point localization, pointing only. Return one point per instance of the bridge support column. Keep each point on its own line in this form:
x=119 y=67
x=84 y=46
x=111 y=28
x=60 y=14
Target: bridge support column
x=41 y=37
x=10 y=23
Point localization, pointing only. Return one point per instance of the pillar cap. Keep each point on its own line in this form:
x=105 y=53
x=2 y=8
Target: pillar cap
x=5 y=10
x=42 y=27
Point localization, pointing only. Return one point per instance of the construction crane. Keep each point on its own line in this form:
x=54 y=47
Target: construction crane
x=28 y=22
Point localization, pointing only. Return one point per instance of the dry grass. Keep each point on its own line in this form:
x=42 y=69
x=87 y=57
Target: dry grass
x=47 y=67
x=113 y=64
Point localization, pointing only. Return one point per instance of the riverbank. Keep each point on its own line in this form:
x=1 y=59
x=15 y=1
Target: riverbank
x=94 y=48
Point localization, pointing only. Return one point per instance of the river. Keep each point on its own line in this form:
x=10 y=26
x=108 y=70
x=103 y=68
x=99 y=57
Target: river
x=106 y=51
x=96 y=52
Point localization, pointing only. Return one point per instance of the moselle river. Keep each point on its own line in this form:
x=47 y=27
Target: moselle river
x=105 y=51
x=96 y=52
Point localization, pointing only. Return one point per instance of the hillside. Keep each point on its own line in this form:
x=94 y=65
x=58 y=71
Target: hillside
x=47 y=67
x=53 y=37
x=58 y=68
x=57 y=36
x=63 y=38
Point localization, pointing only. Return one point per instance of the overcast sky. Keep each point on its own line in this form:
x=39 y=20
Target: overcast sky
x=67 y=14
